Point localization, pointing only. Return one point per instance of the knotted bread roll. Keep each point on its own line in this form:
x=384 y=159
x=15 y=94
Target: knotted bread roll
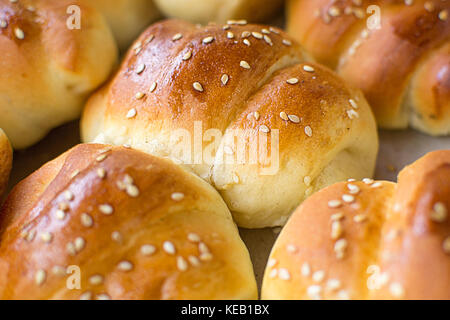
x=369 y=240
x=237 y=104
x=132 y=225
x=403 y=67
x=204 y=11
x=46 y=69
x=127 y=18
x=5 y=161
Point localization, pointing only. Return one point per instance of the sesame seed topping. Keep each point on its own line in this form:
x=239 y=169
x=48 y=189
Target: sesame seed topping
x=224 y=79
x=79 y=244
x=74 y=174
x=40 y=277
x=336 y=230
x=256 y=115
x=291 y=248
x=339 y=247
x=368 y=181
x=230 y=35
x=3 y=24
x=206 y=256
x=86 y=220
x=337 y=216
x=177 y=196
x=132 y=191
x=268 y=40
x=116 y=236
x=308 y=131
x=103 y=296
x=198 y=87
x=169 y=247
x=333 y=284
x=273 y=273
x=106 y=209
x=245 y=65
x=353 y=103
x=409 y=2
x=284 y=116
x=353 y=188
x=247 y=42
x=194 y=261
x=68 y=195
x=396 y=289
x=272 y=263
x=140 y=68
x=176 y=37
x=307 y=180
x=101 y=157
x=308 y=68
x=429 y=6
x=318 y=276
x=352 y=114
x=264 y=129
x=314 y=291
x=125 y=266
x=208 y=40
x=305 y=269
x=148 y=249
x=203 y=248
x=47 y=237
x=96 y=280
x=257 y=35
x=293 y=118
x=446 y=245
x=153 y=87
x=360 y=218
x=284 y=274
x=334 y=203
x=343 y=295
x=439 y=213
x=334 y=11
x=19 y=33
x=443 y=15
x=101 y=173
x=287 y=42
x=70 y=248
x=246 y=34
x=187 y=55
x=348 y=198
x=86 y=295
x=139 y=96
x=292 y=81
x=182 y=265
x=60 y=215
x=193 y=237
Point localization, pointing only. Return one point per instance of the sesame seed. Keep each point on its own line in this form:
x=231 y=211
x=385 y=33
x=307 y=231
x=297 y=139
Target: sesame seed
x=139 y=96
x=292 y=81
x=273 y=30
x=318 y=276
x=334 y=11
x=101 y=173
x=182 y=265
x=352 y=114
x=353 y=188
x=247 y=42
x=125 y=266
x=169 y=247
x=256 y=115
x=443 y=15
x=264 y=129
x=308 y=68
x=187 y=55
x=47 y=237
x=203 y=248
x=148 y=249
x=439 y=213
x=336 y=230
x=284 y=116
x=19 y=33
x=334 y=203
x=429 y=6
x=293 y=118
x=193 y=237
x=348 y=198
x=70 y=248
x=397 y=290
x=103 y=296
x=308 y=131
x=272 y=263
x=333 y=284
x=230 y=35
x=287 y=42
x=58 y=271
x=86 y=220
x=194 y=261
x=106 y=209
x=337 y=216
x=64 y=206
x=60 y=215
x=206 y=256
x=246 y=34
x=305 y=269
x=353 y=103
x=197 y=86
x=368 y=181
x=224 y=79
x=74 y=174
x=273 y=273
x=245 y=65
x=3 y=24
x=257 y=35
x=86 y=295
x=446 y=245
x=153 y=87
x=177 y=196
x=409 y=2
x=343 y=295
x=226 y=27
x=132 y=191
x=284 y=274
x=307 y=180
x=96 y=280
x=140 y=68
x=208 y=40
x=268 y=40
x=360 y=218
x=291 y=248
x=314 y=291
x=40 y=277
x=100 y=158
x=176 y=37
x=376 y=185
x=149 y=39
x=117 y=236
x=340 y=247
x=68 y=195
x=79 y=244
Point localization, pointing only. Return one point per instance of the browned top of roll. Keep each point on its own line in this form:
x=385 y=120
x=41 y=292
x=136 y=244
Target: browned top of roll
x=5 y=161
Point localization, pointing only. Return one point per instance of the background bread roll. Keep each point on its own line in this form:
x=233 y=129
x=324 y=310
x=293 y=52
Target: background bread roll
x=5 y=162
x=369 y=240
x=187 y=92
x=46 y=69
x=137 y=226
x=127 y=18
x=204 y=11
x=403 y=67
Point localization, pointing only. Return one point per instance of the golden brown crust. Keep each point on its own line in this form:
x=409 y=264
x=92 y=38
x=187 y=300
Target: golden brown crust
x=47 y=70
x=205 y=11
x=392 y=241
x=105 y=209
x=153 y=96
x=5 y=161
x=383 y=62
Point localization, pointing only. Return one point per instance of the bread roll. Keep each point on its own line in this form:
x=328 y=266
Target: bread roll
x=369 y=240
x=132 y=225
x=204 y=11
x=127 y=18
x=46 y=69
x=5 y=161
x=403 y=67
x=251 y=120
